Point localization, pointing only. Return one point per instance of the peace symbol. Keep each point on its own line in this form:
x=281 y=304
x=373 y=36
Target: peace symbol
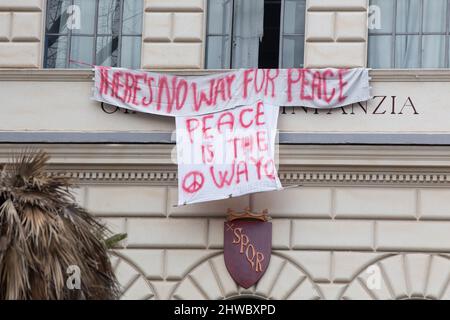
x=193 y=181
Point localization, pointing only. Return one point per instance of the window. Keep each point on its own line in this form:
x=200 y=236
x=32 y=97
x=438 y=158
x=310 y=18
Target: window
x=255 y=33
x=80 y=33
x=410 y=34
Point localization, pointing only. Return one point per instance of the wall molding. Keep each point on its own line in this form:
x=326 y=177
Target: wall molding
x=136 y=155
x=285 y=138
x=304 y=165
x=288 y=177
x=86 y=75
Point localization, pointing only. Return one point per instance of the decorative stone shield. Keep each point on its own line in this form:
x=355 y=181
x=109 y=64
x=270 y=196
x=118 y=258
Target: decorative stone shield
x=247 y=250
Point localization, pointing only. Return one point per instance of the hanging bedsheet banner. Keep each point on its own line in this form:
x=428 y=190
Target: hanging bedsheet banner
x=226 y=122
x=173 y=95
x=227 y=154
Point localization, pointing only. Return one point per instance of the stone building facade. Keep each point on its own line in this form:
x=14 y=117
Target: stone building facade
x=371 y=219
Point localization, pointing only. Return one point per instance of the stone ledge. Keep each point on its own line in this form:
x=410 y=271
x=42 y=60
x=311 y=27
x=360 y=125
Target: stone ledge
x=333 y=5
x=362 y=159
x=87 y=75
x=174 y=5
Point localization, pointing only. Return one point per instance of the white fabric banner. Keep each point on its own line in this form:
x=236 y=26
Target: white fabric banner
x=173 y=95
x=227 y=154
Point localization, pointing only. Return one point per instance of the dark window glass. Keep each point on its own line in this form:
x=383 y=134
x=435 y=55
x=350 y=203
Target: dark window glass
x=269 y=48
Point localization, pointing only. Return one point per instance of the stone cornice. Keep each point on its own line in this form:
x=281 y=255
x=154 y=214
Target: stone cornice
x=59 y=75
x=410 y=75
x=130 y=155
x=284 y=138
x=304 y=165
x=289 y=177
x=86 y=75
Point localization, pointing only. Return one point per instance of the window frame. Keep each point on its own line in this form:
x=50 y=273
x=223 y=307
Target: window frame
x=69 y=35
x=284 y=34
x=230 y=30
x=231 y=36
x=420 y=34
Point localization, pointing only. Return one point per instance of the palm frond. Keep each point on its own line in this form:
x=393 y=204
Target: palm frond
x=43 y=232
x=115 y=239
